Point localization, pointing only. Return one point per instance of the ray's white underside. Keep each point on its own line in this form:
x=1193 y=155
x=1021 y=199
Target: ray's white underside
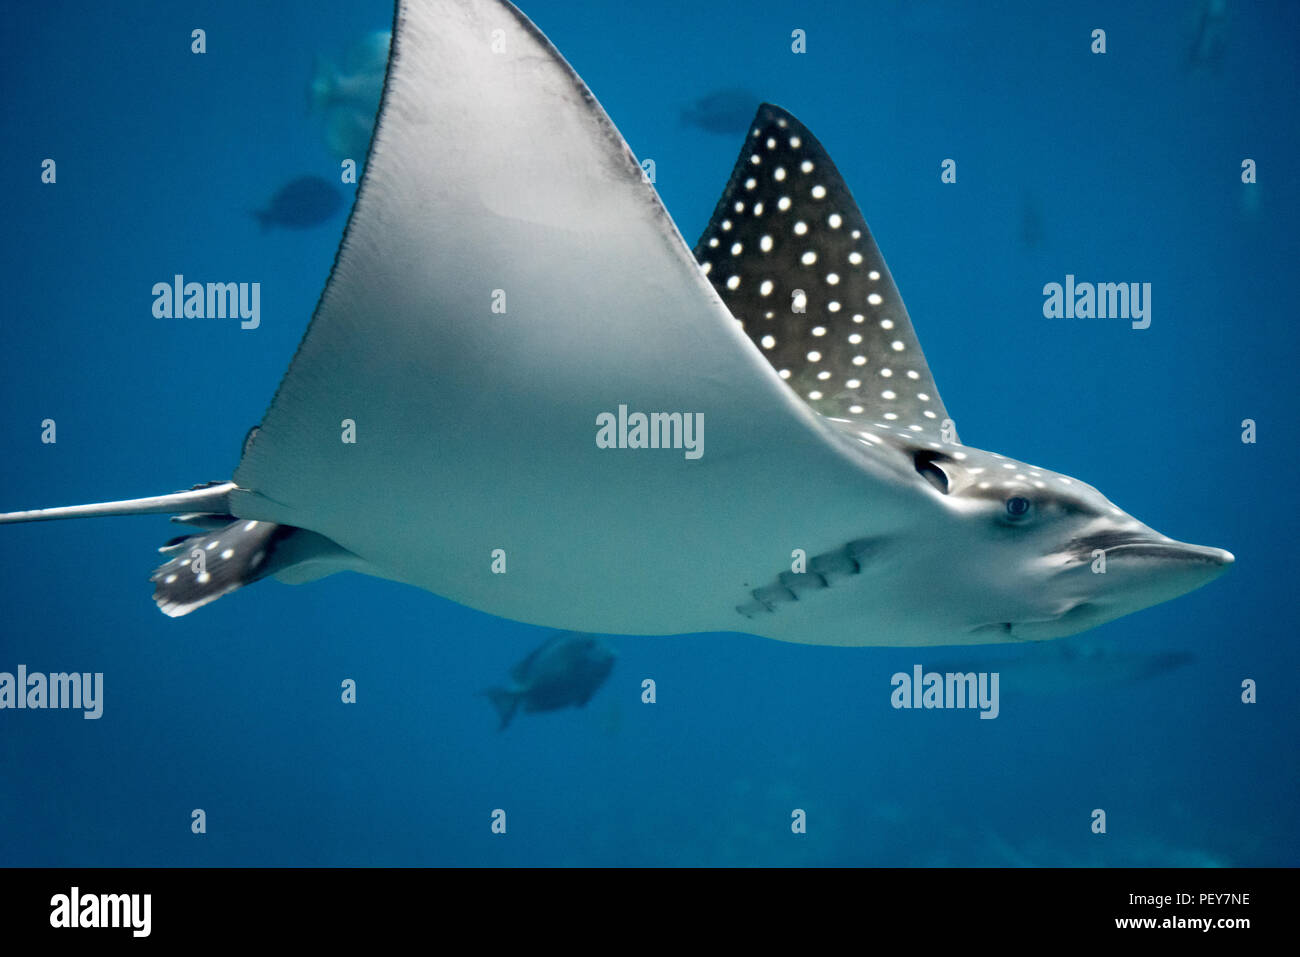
x=476 y=430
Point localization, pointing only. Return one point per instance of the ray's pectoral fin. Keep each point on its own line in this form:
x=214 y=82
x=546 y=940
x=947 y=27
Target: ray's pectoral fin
x=230 y=556
x=790 y=254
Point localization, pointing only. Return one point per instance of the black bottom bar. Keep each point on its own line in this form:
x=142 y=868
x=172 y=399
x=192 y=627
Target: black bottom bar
x=334 y=906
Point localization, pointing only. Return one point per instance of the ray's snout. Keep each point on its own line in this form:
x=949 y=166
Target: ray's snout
x=1141 y=569
x=1216 y=556
x=1152 y=568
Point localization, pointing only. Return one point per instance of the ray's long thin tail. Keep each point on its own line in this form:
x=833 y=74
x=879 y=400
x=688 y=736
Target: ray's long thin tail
x=228 y=553
x=213 y=497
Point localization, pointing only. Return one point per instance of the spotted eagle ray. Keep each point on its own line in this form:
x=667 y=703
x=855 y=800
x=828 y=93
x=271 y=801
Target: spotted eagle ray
x=508 y=277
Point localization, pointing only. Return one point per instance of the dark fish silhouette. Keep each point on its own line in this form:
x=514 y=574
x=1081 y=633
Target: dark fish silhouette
x=1062 y=667
x=565 y=670
x=726 y=112
x=301 y=204
x=1033 y=232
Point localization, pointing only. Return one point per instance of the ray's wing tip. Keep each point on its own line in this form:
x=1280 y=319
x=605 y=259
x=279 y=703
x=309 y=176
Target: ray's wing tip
x=787 y=228
x=769 y=112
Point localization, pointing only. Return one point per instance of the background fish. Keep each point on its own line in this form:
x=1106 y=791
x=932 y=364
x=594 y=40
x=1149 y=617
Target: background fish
x=1066 y=666
x=1209 y=35
x=301 y=204
x=725 y=112
x=563 y=671
x=348 y=98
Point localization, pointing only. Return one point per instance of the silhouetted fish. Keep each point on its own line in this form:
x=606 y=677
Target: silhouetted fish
x=726 y=112
x=1066 y=666
x=564 y=670
x=1032 y=229
x=300 y=204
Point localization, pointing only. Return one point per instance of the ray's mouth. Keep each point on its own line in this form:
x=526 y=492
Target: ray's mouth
x=1172 y=551
x=1123 y=543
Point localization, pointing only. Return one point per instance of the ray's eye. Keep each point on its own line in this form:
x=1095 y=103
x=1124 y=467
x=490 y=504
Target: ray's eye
x=1017 y=506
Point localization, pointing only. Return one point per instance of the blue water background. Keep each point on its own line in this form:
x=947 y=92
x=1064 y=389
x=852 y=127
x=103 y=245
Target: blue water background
x=1115 y=167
